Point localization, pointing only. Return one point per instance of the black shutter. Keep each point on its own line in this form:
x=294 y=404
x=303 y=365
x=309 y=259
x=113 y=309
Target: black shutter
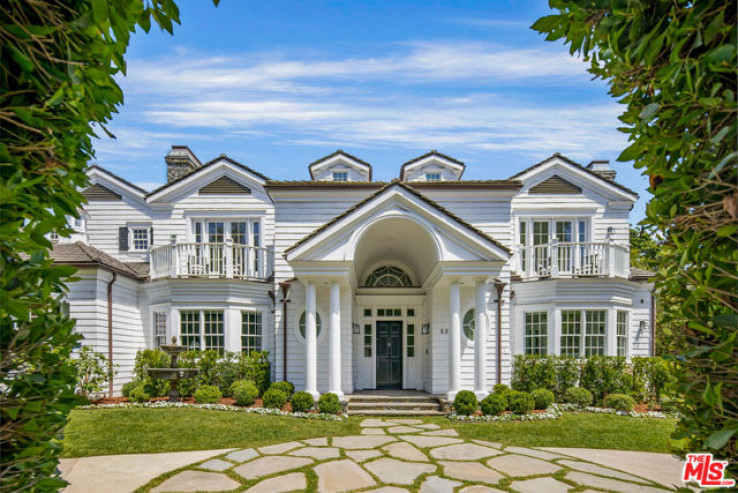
x=151 y=237
x=123 y=239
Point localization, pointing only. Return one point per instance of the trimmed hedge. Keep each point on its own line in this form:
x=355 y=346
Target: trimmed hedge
x=520 y=402
x=128 y=387
x=494 y=404
x=245 y=392
x=465 y=403
x=329 y=404
x=138 y=394
x=620 y=402
x=302 y=402
x=208 y=394
x=285 y=387
x=274 y=398
x=578 y=396
x=542 y=398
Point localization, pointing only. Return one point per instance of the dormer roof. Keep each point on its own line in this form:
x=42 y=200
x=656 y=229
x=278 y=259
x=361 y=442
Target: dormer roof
x=433 y=158
x=341 y=157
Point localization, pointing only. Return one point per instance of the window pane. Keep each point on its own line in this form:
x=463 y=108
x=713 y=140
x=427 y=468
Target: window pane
x=410 y=344
x=622 y=333
x=160 y=328
x=213 y=330
x=367 y=341
x=536 y=333
x=189 y=329
x=571 y=330
x=140 y=238
x=594 y=340
x=238 y=233
x=367 y=312
x=468 y=324
x=251 y=331
x=410 y=312
x=318 y=324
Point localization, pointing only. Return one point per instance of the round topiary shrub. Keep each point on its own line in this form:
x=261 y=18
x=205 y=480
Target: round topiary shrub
x=274 y=398
x=494 y=404
x=245 y=392
x=329 y=404
x=500 y=388
x=127 y=387
x=520 y=402
x=208 y=394
x=302 y=402
x=578 y=396
x=542 y=398
x=285 y=387
x=138 y=394
x=465 y=403
x=620 y=402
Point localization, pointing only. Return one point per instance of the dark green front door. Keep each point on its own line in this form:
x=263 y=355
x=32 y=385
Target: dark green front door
x=389 y=355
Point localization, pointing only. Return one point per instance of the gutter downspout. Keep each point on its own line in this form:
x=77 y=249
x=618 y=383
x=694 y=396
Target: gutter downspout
x=285 y=287
x=653 y=324
x=500 y=287
x=110 y=331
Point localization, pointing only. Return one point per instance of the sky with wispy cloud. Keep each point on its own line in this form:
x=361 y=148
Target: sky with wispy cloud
x=279 y=84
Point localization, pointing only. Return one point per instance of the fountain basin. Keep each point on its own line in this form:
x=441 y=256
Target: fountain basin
x=172 y=373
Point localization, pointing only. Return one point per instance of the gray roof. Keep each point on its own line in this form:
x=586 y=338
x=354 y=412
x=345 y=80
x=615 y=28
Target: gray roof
x=81 y=255
x=637 y=274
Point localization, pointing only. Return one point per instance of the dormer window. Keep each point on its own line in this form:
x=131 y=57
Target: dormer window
x=340 y=176
x=433 y=177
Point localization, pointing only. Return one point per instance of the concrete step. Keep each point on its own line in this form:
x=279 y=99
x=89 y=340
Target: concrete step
x=395 y=413
x=418 y=406
x=392 y=399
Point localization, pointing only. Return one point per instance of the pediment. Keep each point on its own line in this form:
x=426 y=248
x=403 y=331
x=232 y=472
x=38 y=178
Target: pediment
x=224 y=185
x=555 y=185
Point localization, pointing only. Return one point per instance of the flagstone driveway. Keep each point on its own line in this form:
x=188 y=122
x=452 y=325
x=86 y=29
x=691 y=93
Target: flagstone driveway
x=398 y=455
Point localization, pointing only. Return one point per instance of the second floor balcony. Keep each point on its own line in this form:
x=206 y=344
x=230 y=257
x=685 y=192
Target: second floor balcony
x=211 y=260
x=572 y=259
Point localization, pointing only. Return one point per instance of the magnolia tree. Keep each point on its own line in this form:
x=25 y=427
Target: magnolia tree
x=58 y=60
x=672 y=64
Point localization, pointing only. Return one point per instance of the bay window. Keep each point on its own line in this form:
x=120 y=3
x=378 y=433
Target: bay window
x=202 y=329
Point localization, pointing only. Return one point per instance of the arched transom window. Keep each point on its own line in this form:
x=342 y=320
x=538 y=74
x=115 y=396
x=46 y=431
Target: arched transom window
x=388 y=277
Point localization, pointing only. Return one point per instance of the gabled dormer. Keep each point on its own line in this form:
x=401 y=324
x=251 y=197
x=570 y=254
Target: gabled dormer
x=432 y=167
x=340 y=166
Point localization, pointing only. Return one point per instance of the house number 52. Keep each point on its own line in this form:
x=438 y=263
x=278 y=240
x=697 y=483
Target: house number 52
x=444 y=331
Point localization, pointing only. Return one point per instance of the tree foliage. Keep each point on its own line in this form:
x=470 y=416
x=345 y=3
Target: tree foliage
x=58 y=62
x=672 y=63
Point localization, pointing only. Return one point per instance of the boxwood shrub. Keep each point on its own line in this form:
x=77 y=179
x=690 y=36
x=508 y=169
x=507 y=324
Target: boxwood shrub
x=578 y=395
x=245 y=392
x=542 y=398
x=208 y=394
x=520 y=402
x=500 y=388
x=620 y=402
x=465 y=403
x=127 y=387
x=138 y=394
x=329 y=404
x=274 y=398
x=285 y=387
x=494 y=404
x=302 y=402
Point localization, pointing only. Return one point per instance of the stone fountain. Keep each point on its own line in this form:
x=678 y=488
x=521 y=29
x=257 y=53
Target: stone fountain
x=174 y=374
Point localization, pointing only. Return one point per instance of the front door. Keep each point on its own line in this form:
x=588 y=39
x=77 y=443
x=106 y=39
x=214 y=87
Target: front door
x=389 y=355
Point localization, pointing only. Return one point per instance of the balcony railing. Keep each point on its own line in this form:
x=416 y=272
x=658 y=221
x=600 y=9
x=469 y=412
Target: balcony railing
x=210 y=260
x=572 y=259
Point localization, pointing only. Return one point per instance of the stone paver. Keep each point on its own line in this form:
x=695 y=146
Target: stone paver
x=316 y=442
x=405 y=421
x=488 y=444
x=450 y=432
x=429 y=426
x=425 y=442
x=353 y=442
x=373 y=431
x=538 y=485
x=470 y=471
x=280 y=448
x=242 y=455
x=372 y=422
x=362 y=455
x=342 y=475
x=434 y=484
x=270 y=465
x=532 y=452
x=196 y=481
x=215 y=465
x=402 y=429
x=398 y=472
x=405 y=451
x=520 y=465
x=599 y=470
x=609 y=484
x=319 y=453
x=389 y=489
x=464 y=451
x=477 y=488
x=289 y=482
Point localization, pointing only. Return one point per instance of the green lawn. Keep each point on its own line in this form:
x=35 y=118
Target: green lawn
x=137 y=431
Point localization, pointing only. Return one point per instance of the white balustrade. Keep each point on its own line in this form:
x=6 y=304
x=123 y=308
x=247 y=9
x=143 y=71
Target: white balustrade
x=572 y=259
x=209 y=260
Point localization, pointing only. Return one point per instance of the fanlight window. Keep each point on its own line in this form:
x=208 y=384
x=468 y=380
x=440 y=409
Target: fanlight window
x=388 y=277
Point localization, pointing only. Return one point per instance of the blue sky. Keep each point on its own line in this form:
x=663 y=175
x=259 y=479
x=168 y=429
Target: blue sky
x=276 y=85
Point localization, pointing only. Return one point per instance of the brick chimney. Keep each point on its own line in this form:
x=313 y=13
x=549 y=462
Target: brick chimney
x=180 y=162
x=603 y=169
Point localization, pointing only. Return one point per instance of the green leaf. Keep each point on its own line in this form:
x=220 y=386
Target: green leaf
x=718 y=439
x=726 y=230
x=546 y=23
x=647 y=112
x=721 y=54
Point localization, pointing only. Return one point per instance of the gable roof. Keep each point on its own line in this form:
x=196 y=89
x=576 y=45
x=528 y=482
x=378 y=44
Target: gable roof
x=82 y=255
x=404 y=186
x=205 y=167
x=224 y=186
x=101 y=193
x=340 y=152
x=96 y=168
x=579 y=167
x=555 y=186
x=431 y=154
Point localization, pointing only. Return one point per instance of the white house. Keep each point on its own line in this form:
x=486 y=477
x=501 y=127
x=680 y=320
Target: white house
x=427 y=282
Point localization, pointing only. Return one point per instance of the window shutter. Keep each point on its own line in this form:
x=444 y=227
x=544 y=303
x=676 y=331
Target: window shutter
x=151 y=237
x=123 y=239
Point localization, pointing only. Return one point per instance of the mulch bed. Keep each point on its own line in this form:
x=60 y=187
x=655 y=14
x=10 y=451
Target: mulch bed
x=228 y=401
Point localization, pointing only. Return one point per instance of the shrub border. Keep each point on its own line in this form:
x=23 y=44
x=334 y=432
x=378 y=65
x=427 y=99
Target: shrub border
x=215 y=407
x=554 y=411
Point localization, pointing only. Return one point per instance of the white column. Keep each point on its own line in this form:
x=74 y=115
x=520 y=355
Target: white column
x=335 y=335
x=311 y=344
x=454 y=360
x=480 y=341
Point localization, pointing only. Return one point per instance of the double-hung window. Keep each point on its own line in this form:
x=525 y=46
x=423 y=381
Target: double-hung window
x=251 y=331
x=340 y=176
x=140 y=239
x=202 y=329
x=536 y=333
x=160 y=328
x=622 y=333
x=583 y=332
